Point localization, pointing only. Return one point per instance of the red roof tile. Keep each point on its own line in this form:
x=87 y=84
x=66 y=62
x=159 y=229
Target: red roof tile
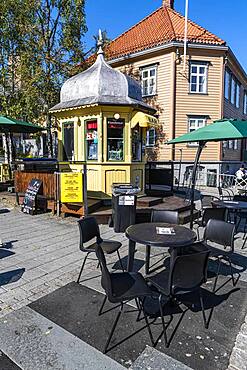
x=162 y=26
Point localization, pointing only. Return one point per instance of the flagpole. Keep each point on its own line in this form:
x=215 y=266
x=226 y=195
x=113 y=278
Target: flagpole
x=185 y=31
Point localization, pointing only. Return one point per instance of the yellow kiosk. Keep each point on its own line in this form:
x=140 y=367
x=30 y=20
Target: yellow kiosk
x=103 y=122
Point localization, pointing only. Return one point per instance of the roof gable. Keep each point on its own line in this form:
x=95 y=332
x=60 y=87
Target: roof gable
x=160 y=27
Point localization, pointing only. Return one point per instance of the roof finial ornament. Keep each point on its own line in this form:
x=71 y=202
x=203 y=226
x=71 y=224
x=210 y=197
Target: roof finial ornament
x=100 y=43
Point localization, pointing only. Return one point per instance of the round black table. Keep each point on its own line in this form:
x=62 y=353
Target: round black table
x=230 y=204
x=146 y=234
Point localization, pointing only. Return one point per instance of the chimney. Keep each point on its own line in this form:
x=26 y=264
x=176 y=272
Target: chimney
x=169 y=3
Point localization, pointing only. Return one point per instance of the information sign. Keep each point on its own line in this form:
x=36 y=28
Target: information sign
x=71 y=187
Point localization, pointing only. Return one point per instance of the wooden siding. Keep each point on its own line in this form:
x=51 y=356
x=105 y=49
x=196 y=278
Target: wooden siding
x=22 y=179
x=207 y=105
x=230 y=111
x=187 y=104
x=162 y=101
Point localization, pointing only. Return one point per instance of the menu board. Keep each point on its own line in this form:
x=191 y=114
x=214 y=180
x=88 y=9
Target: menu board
x=28 y=205
x=71 y=187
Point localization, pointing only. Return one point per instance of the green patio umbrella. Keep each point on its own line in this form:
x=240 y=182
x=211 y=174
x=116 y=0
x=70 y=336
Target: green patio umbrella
x=224 y=129
x=11 y=125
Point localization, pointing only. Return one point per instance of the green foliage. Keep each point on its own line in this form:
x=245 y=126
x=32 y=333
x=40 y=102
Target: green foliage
x=39 y=42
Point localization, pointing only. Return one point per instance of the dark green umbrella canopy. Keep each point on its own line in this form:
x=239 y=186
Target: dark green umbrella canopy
x=15 y=126
x=225 y=129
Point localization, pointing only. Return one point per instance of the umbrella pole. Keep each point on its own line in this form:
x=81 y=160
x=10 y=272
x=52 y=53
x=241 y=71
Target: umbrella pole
x=193 y=181
x=7 y=138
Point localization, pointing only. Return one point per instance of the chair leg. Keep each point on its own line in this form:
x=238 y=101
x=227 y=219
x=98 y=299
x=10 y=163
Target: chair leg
x=139 y=309
x=120 y=261
x=146 y=320
x=102 y=306
x=82 y=267
x=234 y=281
x=113 y=328
x=148 y=249
x=245 y=239
x=217 y=274
x=197 y=231
x=203 y=310
x=163 y=321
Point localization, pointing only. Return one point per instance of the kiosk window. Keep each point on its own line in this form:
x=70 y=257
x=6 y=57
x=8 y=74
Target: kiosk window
x=92 y=139
x=115 y=135
x=68 y=141
x=136 y=144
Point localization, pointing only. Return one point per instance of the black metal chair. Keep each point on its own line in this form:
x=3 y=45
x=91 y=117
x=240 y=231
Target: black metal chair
x=240 y=215
x=89 y=230
x=222 y=233
x=170 y=217
x=226 y=194
x=122 y=287
x=184 y=276
x=208 y=214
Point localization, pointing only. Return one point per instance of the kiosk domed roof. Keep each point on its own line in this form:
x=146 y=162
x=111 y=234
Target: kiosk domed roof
x=100 y=84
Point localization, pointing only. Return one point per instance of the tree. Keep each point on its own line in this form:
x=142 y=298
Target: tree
x=41 y=40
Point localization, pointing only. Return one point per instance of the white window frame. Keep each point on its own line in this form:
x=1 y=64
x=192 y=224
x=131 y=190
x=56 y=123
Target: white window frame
x=198 y=75
x=200 y=121
x=148 y=144
x=235 y=144
x=227 y=84
x=237 y=99
x=245 y=102
x=151 y=87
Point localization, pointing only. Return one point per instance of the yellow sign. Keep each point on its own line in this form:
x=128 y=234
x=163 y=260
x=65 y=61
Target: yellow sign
x=71 y=187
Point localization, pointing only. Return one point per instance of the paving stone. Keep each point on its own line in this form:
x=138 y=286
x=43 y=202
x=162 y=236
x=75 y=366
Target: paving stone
x=151 y=359
x=238 y=359
x=34 y=342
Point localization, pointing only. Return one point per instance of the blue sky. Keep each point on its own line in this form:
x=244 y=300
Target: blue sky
x=225 y=18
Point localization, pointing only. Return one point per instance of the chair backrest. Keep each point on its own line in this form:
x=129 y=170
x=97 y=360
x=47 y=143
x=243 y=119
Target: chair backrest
x=220 y=232
x=89 y=229
x=189 y=270
x=170 y=217
x=105 y=274
x=213 y=213
x=220 y=191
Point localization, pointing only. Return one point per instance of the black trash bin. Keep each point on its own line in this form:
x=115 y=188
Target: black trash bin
x=123 y=206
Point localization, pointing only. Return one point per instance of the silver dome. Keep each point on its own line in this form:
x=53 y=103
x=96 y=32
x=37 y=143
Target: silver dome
x=100 y=84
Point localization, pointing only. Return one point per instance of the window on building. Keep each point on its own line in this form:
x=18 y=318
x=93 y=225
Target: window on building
x=235 y=144
x=198 y=77
x=233 y=90
x=230 y=144
x=227 y=84
x=68 y=141
x=136 y=137
x=151 y=137
x=237 y=103
x=149 y=80
x=92 y=139
x=245 y=102
x=195 y=123
x=115 y=139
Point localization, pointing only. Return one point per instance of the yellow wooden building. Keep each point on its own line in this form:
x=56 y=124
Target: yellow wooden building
x=103 y=120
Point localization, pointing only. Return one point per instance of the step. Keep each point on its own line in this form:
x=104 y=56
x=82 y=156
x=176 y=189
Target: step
x=148 y=201
x=34 y=342
x=78 y=208
x=152 y=359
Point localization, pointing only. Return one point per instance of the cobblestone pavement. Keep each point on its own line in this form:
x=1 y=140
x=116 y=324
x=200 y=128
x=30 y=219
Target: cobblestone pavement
x=40 y=254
